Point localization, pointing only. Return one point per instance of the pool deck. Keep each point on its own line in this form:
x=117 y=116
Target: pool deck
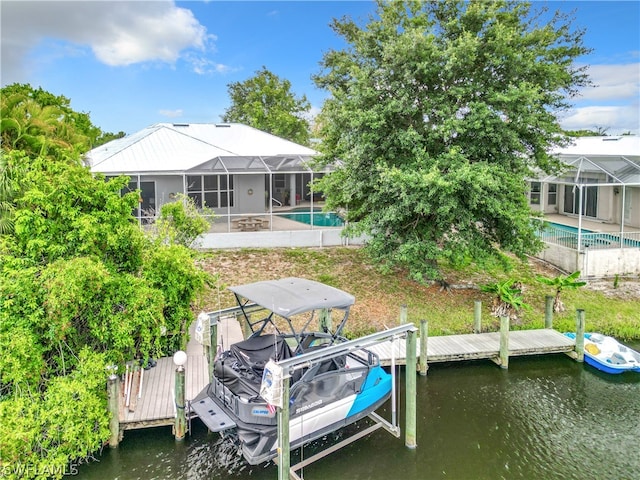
x=593 y=226
x=276 y=222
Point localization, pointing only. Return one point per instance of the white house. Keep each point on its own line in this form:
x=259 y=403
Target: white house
x=593 y=207
x=231 y=168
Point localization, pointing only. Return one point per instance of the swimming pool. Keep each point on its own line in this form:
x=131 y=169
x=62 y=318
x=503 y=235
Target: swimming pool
x=550 y=226
x=320 y=218
x=568 y=236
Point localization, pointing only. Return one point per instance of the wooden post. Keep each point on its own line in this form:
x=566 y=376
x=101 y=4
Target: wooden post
x=213 y=344
x=403 y=314
x=580 y=335
x=548 y=311
x=477 y=316
x=113 y=395
x=410 y=419
x=284 y=457
x=246 y=328
x=424 y=335
x=325 y=320
x=504 y=342
x=180 y=425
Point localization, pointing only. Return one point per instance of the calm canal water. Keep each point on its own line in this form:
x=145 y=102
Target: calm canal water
x=544 y=418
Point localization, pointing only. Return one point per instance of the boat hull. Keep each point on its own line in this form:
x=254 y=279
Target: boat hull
x=608 y=355
x=259 y=441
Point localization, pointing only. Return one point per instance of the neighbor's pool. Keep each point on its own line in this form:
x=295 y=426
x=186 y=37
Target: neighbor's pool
x=320 y=219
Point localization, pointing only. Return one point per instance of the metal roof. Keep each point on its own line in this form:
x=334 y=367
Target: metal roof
x=291 y=296
x=616 y=157
x=170 y=148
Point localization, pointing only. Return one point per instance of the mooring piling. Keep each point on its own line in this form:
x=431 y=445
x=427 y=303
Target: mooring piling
x=424 y=336
x=504 y=342
x=548 y=311
x=410 y=371
x=180 y=425
x=477 y=316
x=113 y=395
x=284 y=454
x=212 y=349
x=403 y=314
x=580 y=335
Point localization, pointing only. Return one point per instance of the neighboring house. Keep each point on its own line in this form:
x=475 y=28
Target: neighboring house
x=231 y=168
x=594 y=207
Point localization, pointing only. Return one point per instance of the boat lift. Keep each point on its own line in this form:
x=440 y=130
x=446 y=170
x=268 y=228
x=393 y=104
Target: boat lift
x=288 y=366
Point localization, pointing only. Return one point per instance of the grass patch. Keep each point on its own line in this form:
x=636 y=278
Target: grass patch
x=380 y=296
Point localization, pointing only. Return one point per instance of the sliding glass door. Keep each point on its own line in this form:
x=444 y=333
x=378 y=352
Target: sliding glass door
x=589 y=200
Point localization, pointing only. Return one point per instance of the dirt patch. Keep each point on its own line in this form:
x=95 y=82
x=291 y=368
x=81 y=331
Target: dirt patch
x=625 y=290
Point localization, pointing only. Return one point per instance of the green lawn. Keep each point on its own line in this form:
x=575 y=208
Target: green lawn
x=379 y=296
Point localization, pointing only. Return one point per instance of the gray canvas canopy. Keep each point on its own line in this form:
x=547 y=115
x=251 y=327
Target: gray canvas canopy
x=291 y=296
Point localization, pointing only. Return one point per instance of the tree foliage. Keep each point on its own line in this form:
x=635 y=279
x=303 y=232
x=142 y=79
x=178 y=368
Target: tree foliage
x=266 y=102
x=181 y=222
x=81 y=286
x=438 y=112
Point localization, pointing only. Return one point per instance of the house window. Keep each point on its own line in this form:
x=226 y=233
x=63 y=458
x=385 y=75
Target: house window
x=146 y=208
x=552 y=194
x=534 y=194
x=213 y=191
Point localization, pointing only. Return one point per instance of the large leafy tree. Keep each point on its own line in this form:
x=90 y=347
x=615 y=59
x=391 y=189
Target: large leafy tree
x=265 y=101
x=438 y=113
x=81 y=286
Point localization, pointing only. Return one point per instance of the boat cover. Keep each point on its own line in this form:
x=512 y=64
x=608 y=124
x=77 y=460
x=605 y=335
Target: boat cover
x=240 y=368
x=291 y=296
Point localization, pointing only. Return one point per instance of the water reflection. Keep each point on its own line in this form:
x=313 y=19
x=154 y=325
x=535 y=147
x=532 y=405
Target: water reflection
x=546 y=417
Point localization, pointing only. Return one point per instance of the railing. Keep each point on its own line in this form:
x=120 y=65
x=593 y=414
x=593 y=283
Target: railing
x=591 y=240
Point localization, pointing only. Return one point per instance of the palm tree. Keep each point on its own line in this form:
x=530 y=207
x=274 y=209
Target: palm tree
x=9 y=188
x=561 y=282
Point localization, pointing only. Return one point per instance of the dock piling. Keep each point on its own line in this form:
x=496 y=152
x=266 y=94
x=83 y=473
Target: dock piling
x=580 y=335
x=180 y=425
x=213 y=344
x=477 y=316
x=410 y=418
x=325 y=320
x=284 y=457
x=113 y=395
x=403 y=314
x=504 y=342
x=424 y=332
x=548 y=311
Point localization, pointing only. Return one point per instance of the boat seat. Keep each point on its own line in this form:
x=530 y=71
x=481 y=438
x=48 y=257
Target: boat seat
x=617 y=359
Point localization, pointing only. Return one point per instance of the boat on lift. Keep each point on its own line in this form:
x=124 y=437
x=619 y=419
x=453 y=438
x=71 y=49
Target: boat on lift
x=290 y=317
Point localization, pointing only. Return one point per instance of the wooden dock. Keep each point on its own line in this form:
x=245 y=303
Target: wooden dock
x=479 y=346
x=156 y=405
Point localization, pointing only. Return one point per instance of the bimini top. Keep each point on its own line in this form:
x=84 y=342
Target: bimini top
x=291 y=296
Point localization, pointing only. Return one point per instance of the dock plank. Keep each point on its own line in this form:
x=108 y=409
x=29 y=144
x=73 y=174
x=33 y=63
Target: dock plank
x=156 y=405
x=478 y=346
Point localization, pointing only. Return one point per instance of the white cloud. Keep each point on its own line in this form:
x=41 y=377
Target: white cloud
x=203 y=66
x=171 y=113
x=118 y=33
x=613 y=82
x=614 y=119
x=613 y=103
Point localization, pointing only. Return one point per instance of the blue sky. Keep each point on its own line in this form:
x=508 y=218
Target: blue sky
x=133 y=64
